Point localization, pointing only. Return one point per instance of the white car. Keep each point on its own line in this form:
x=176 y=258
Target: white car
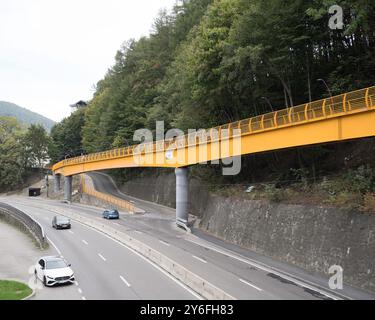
x=54 y=270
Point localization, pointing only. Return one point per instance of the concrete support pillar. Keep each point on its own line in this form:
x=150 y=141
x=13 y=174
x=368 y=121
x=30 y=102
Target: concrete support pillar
x=182 y=195
x=57 y=182
x=68 y=188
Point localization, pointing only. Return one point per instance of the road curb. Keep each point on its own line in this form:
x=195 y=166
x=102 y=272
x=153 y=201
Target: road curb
x=31 y=295
x=179 y=272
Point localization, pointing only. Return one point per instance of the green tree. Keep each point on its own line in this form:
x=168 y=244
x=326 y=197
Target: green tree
x=66 y=137
x=11 y=162
x=36 y=142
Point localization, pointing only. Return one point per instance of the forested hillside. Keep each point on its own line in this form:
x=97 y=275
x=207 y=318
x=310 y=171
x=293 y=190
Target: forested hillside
x=211 y=62
x=24 y=116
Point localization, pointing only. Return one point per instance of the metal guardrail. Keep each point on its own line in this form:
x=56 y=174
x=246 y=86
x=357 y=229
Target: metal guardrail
x=348 y=103
x=28 y=222
x=120 y=203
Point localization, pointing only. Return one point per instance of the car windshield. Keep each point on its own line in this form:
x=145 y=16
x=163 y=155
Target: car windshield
x=56 y=264
x=62 y=220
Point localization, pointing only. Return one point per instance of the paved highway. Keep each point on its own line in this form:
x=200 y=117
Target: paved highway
x=108 y=270
x=104 y=268
x=240 y=272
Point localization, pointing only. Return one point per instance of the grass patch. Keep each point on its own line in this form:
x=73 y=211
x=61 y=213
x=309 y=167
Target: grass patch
x=13 y=290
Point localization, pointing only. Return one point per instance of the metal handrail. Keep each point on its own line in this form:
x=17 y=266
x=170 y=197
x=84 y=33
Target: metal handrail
x=107 y=198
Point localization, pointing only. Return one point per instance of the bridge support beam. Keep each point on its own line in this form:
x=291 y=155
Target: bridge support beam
x=57 y=182
x=68 y=188
x=182 y=196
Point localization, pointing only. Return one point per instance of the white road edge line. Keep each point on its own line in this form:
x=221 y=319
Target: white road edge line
x=251 y=285
x=124 y=281
x=200 y=259
x=57 y=249
x=101 y=257
x=192 y=292
x=270 y=270
x=85 y=242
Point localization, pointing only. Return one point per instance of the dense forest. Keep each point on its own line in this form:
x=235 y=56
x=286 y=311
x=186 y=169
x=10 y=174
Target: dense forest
x=210 y=62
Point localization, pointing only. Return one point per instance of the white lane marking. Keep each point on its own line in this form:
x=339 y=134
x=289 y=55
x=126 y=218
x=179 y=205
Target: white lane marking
x=117 y=224
x=71 y=232
x=77 y=284
x=200 y=259
x=83 y=298
x=101 y=257
x=57 y=249
x=283 y=275
x=251 y=285
x=165 y=243
x=85 y=242
x=193 y=293
x=137 y=231
x=80 y=290
x=124 y=281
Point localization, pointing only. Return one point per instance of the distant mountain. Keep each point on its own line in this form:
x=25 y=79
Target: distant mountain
x=24 y=116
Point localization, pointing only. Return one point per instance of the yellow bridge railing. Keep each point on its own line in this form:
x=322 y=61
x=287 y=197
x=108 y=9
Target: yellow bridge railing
x=120 y=203
x=336 y=106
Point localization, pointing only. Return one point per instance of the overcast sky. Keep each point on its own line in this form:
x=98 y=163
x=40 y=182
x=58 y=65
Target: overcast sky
x=52 y=52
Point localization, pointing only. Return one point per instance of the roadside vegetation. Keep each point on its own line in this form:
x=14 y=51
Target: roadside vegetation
x=13 y=290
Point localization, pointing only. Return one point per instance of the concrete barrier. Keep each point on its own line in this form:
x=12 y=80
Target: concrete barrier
x=31 y=226
x=190 y=279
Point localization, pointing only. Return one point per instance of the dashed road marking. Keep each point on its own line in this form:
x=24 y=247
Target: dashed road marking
x=251 y=285
x=200 y=259
x=85 y=242
x=71 y=232
x=101 y=257
x=80 y=290
x=124 y=281
x=165 y=243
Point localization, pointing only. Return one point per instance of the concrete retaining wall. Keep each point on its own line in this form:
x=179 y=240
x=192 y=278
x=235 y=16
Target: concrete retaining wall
x=313 y=238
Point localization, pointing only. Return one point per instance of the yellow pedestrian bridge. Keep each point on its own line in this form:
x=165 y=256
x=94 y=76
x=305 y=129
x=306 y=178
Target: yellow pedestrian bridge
x=339 y=118
x=343 y=117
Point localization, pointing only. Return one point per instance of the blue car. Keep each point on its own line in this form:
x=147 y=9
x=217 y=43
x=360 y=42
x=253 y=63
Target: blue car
x=111 y=214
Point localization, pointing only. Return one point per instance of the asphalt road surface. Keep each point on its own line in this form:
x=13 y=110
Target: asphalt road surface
x=106 y=269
